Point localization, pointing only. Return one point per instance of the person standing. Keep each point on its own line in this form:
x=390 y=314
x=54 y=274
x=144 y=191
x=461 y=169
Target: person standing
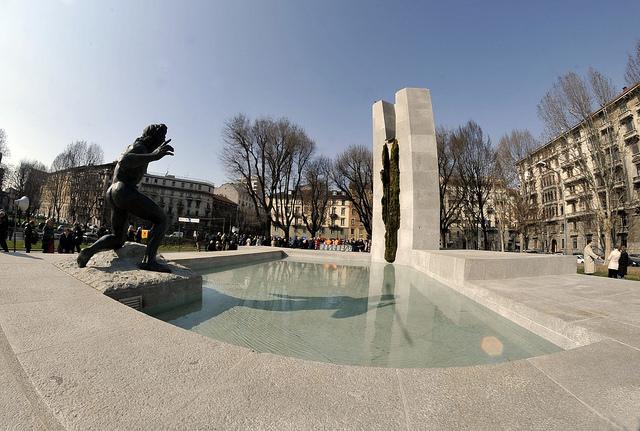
x=48 y=238
x=589 y=259
x=131 y=233
x=623 y=262
x=614 y=260
x=78 y=235
x=30 y=236
x=66 y=242
x=4 y=231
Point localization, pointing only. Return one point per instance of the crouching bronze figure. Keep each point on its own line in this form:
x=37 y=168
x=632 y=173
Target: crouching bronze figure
x=125 y=199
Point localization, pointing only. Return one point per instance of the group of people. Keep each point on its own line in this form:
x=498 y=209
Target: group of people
x=332 y=244
x=217 y=242
x=133 y=234
x=223 y=241
x=617 y=262
x=69 y=241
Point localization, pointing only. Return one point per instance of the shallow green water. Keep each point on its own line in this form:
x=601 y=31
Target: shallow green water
x=377 y=315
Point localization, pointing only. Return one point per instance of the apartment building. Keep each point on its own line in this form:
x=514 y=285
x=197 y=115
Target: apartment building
x=342 y=220
x=192 y=198
x=594 y=165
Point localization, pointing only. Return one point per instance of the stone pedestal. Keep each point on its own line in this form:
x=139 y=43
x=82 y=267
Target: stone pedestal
x=410 y=122
x=117 y=275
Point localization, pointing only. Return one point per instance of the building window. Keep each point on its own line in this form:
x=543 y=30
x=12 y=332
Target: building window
x=173 y=183
x=574 y=242
x=627 y=125
x=155 y=181
x=342 y=211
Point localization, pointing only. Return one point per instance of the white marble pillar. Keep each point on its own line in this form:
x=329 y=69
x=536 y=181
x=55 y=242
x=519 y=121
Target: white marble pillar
x=410 y=122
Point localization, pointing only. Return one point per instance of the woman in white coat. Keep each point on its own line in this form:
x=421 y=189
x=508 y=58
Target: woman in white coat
x=614 y=259
x=589 y=259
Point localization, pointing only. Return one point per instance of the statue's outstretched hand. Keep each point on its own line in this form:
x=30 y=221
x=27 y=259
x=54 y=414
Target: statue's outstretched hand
x=163 y=150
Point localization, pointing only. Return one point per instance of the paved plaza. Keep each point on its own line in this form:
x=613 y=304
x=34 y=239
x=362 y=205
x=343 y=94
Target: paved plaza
x=71 y=358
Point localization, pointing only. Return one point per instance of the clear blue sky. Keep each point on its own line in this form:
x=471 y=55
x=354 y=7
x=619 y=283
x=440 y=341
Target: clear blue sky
x=102 y=70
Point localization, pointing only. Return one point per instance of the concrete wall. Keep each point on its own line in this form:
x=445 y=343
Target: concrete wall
x=410 y=121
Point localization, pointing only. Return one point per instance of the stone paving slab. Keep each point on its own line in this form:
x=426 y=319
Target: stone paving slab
x=624 y=332
x=508 y=396
x=603 y=375
x=269 y=392
x=130 y=379
x=15 y=408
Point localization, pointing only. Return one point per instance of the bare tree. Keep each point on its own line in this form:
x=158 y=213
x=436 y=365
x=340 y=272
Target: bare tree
x=27 y=179
x=4 y=154
x=270 y=157
x=477 y=170
x=516 y=206
x=352 y=174
x=452 y=195
x=315 y=194
x=79 y=153
x=71 y=185
x=632 y=73
x=579 y=112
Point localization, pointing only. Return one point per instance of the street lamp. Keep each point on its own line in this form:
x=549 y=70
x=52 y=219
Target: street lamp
x=21 y=204
x=541 y=165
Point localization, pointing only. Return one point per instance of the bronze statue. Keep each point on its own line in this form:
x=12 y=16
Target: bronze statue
x=125 y=199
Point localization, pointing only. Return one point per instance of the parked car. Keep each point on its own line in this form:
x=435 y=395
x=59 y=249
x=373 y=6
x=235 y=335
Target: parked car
x=580 y=260
x=635 y=259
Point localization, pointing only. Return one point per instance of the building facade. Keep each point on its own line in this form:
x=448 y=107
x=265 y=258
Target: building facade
x=341 y=221
x=77 y=194
x=247 y=220
x=594 y=165
x=185 y=197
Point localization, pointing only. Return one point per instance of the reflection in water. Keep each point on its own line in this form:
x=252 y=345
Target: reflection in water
x=382 y=315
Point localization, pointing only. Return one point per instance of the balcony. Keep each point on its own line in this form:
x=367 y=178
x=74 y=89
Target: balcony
x=624 y=114
x=630 y=135
x=572 y=196
x=574 y=179
x=576 y=214
x=618 y=184
x=636 y=180
x=567 y=163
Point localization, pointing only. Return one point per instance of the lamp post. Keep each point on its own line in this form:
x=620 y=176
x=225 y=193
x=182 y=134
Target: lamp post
x=21 y=204
x=543 y=164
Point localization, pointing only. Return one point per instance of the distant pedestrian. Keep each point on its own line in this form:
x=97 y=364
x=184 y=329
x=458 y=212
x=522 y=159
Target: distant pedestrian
x=590 y=257
x=78 y=236
x=139 y=235
x=48 y=237
x=30 y=236
x=66 y=242
x=614 y=261
x=4 y=231
x=623 y=262
x=131 y=233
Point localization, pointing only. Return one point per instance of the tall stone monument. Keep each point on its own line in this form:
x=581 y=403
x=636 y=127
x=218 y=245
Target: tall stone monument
x=410 y=123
